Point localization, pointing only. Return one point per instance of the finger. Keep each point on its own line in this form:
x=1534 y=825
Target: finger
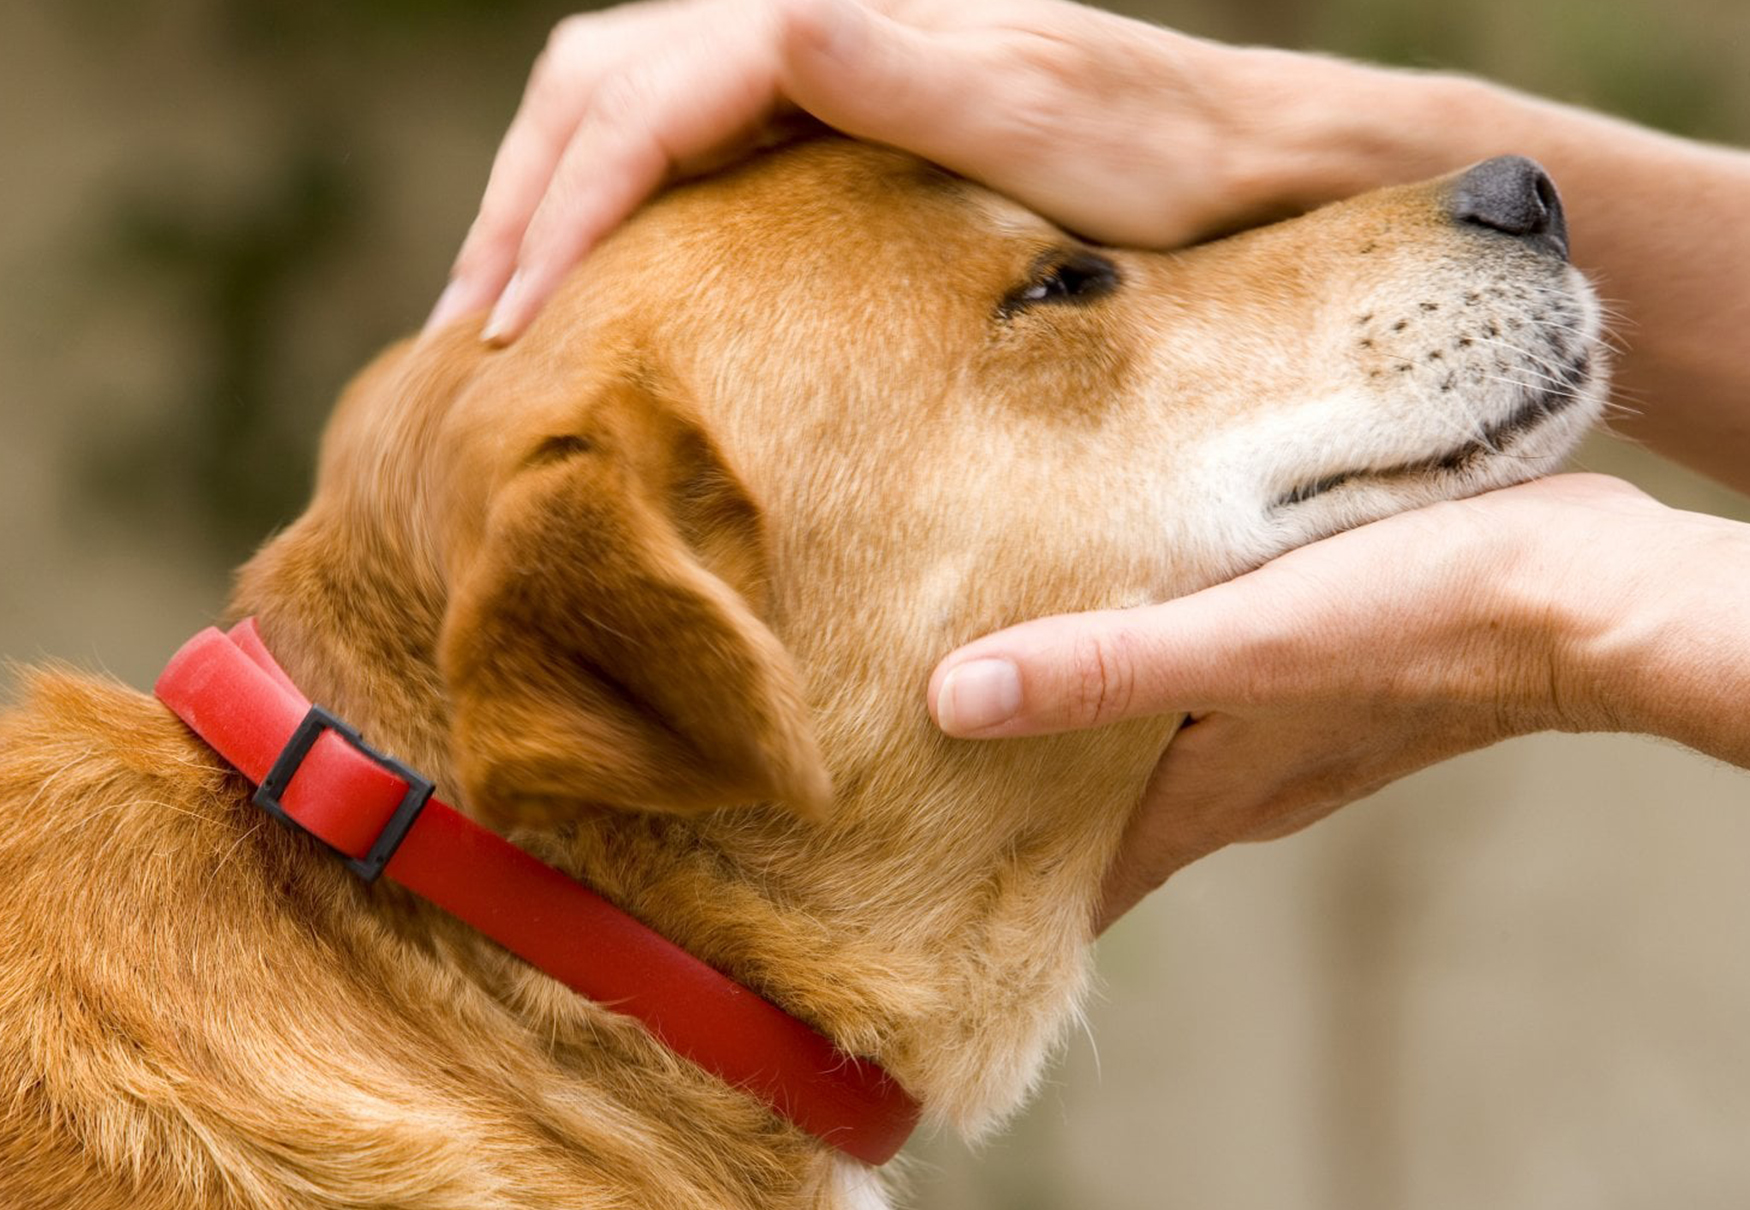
x=1223 y=781
x=877 y=78
x=1154 y=850
x=545 y=120
x=601 y=178
x=1225 y=647
x=1161 y=838
x=1346 y=618
x=582 y=51
x=682 y=111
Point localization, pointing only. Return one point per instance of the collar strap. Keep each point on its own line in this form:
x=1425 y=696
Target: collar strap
x=316 y=775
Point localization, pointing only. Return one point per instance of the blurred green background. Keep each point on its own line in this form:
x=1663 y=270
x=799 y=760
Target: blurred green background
x=1516 y=981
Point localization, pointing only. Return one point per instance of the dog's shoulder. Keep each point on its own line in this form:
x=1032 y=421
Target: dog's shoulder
x=88 y=764
x=105 y=800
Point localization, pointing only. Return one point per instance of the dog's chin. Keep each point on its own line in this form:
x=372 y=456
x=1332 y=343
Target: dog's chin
x=1532 y=434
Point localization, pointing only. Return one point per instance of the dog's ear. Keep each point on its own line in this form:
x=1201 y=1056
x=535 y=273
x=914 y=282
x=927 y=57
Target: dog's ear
x=603 y=644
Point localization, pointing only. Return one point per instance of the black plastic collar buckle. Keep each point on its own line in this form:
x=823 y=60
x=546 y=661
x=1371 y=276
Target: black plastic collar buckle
x=419 y=791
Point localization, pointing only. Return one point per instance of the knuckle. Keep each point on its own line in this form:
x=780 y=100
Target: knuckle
x=567 y=32
x=1029 y=135
x=1103 y=683
x=1608 y=487
x=621 y=100
x=485 y=253
x=791 y=16
x=1043 y=57
x=565 y=52
x=472 y=260
x=787 y=15
x=545 y=85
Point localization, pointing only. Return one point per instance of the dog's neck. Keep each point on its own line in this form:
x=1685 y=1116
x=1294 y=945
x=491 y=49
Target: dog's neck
x=957 y=970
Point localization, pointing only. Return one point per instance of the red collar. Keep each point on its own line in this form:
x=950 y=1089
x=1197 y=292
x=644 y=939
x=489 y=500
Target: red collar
x=380 y=817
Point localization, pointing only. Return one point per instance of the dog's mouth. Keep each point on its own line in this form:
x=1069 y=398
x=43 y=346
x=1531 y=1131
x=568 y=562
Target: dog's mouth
x=1564 y=387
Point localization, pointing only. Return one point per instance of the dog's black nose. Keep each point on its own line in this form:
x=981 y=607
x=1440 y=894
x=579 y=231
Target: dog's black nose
x=1514 y=195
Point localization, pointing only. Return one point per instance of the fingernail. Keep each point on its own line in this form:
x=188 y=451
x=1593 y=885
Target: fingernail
x=978 y=695
x=499 y=324
x=447 y=306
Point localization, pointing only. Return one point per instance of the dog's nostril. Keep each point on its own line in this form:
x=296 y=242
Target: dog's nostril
x=1515 y=196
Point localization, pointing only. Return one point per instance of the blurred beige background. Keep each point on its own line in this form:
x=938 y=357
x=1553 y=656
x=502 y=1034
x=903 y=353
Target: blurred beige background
x=1515 y=981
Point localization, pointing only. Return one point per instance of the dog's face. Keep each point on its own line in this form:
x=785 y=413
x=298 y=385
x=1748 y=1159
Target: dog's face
x=906 y=411
x=797 y=431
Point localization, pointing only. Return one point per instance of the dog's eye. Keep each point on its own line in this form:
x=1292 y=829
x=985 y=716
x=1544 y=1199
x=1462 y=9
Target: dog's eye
x=1080 y=277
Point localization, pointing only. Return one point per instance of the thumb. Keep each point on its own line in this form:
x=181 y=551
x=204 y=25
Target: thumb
x=1215 y=649
x=868 y=75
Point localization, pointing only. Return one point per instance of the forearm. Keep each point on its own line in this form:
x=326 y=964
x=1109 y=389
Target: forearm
x=1658 y=222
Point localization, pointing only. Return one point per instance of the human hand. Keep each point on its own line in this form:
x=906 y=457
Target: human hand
x=1346 y=664
x=1118 y=130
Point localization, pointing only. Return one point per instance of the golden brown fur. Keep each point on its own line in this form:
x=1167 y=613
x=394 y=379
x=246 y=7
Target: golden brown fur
x=693 y=543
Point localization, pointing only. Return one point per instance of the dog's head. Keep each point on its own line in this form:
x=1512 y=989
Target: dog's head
x=841 y=410
x=797 y=431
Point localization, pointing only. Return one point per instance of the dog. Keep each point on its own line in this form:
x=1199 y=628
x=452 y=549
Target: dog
x=655 y=592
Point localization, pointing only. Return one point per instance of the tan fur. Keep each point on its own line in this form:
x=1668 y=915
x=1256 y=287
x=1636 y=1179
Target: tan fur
x=695 y=542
